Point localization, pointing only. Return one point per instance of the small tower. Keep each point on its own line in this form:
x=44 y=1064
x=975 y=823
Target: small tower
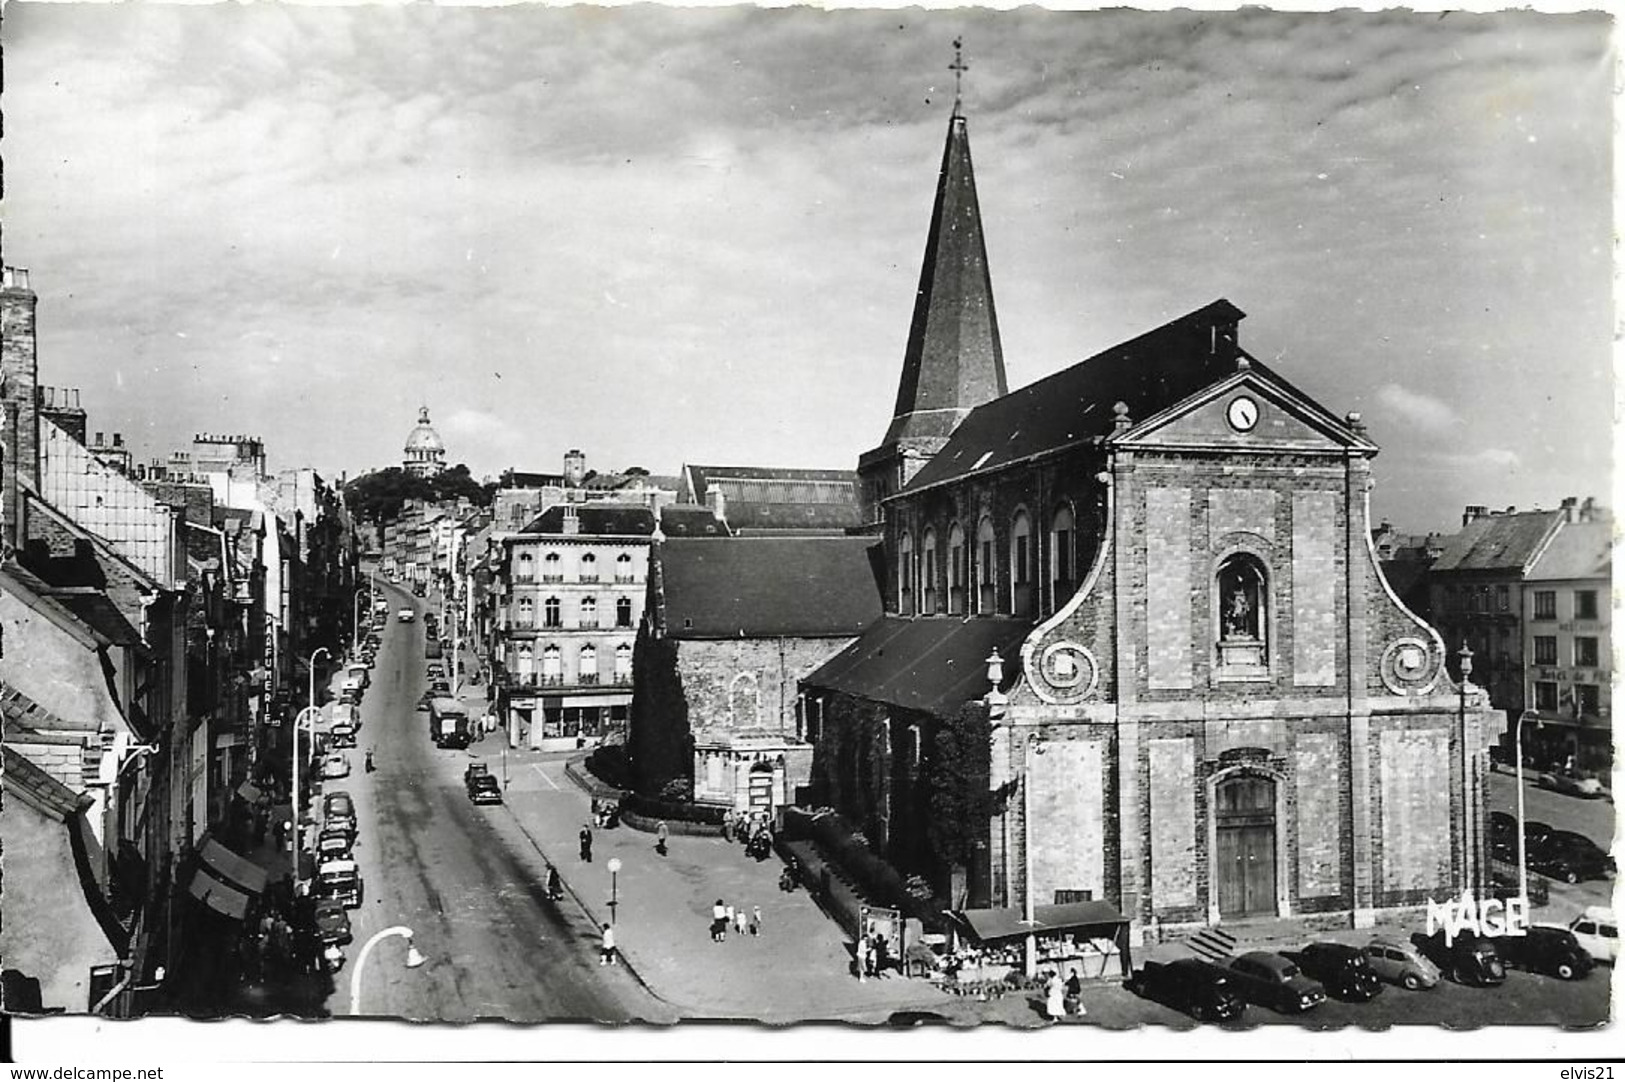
x=425 y=451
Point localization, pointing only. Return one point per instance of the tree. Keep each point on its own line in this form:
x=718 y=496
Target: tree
x=379 y=496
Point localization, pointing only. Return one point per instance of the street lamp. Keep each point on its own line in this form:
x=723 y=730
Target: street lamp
x=1523 y=857
x=359 y=594
x=413 y=960
x=614 y=899
x=297 y=805
x=1033 y=746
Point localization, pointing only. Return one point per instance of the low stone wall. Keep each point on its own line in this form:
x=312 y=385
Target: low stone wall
x=650 y=825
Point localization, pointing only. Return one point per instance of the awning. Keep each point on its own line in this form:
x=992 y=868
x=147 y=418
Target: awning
x=992 y=925
x=231 y=869
x=218 y=896
x=249 y=791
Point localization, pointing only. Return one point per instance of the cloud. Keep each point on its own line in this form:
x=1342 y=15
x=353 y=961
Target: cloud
x=1422 y=410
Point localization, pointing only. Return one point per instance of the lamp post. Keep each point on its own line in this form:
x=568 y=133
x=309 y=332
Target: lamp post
x=293 y=799
x=1523 y=856
x=614 y=898
x=356 y=622
x=413 y=960
x=1032 y=746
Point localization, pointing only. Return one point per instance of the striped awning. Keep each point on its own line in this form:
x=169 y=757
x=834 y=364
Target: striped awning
x=218 y=896
x=229 y=868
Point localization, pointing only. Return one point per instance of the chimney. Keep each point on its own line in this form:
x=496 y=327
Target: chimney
x=717 y=503
x=575 y=468
x=572 y=519
x=1473 y=512
x=1570 y=508
x=19 y=372
x=1588 y=510
x=118 y=439
x=11 y=493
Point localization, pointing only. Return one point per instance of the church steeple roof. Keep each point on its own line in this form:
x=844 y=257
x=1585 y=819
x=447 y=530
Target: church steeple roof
x=954 y=361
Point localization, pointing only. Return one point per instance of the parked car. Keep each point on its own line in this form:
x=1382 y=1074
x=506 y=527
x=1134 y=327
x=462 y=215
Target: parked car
x=406 y=615
x=1198 y=988
x=332 y=922
x=1564 y=781
x=1598 y=932
x=1272 y=981
x=1571 y=857
x=485 y=789
x=1535 y=832
x=338 y=812
x=1401 y=963
x=1344 y=971
x=1546 y=948
x=339 y=880
x=434 y=670
x=426 y=698
x=1468 y=958
x=334 y=845
x=335 y=766
x=440 y=687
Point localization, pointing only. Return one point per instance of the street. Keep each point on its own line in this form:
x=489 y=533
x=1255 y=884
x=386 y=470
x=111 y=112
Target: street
x=461 y=877
x=1592 y=818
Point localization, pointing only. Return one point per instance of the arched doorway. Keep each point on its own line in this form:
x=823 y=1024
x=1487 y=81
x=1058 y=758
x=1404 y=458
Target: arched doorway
x=1244 y=822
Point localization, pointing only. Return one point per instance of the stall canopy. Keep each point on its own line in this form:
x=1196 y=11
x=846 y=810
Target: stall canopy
x=225 y=881
x=994 y=925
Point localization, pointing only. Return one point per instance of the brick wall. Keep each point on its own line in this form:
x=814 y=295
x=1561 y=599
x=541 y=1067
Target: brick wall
x=1319 y=791
x=1172 y=822
x=1414 y=781
x=748 y=685
x=1168 y=557
x=1315 y=589
x=19 y=365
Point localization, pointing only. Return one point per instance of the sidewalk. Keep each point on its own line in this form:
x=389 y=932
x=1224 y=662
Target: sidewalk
x=798 y=968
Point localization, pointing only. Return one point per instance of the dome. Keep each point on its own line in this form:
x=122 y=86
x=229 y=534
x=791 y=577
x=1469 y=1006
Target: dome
x=424 y=437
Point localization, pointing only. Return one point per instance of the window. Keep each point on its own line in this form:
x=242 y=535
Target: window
x=1021 y=564
x=1545 y=604
x=986 y=591
x=589 y=567
x=905 y=574
x=552 y=671
x=1585 y=651
x=1585 y=604
x=587 y=615
x=589 y=664
x=1545 y=649
x=1587 y=700
x=1241 y=591
x=1502 y=599
x=1475 y=600
x=550 y=613
x=623 y=568
x=525 y=661
x=928 y=573
x=552 y=568
x=525 y=570
x=623 y=612
x=1062 y=557
x=1545 y=695
x=526 y=614
x=956 y=570
x=623 y=664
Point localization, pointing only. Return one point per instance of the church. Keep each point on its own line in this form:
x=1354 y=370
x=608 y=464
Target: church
x=1148 y=581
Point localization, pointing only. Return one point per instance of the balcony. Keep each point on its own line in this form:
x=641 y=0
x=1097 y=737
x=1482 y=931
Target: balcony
x=589 y=678
x=588 y=576
x=552 y=578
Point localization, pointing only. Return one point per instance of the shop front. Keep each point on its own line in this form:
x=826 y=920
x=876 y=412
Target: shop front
x=989 y=945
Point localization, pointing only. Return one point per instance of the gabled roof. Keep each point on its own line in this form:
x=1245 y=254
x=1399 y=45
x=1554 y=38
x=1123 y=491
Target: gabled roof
x=930 y=664
x=97 y=609
x=767 y=587
x=1149 y=374
x=1498 y=542
x=1579 y=550
x=597 y=519
x=684 y=520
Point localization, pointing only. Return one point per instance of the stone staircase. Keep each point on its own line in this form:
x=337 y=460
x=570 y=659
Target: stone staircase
x=1212 y=944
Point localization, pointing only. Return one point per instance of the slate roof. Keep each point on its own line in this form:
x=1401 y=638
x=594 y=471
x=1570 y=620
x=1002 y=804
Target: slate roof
x=36 y=787
x=767 y=587
x=684 y=520
x=1498 y=542
x=766 y=498
x=519 y=479
x=1149 y=373
x=597 y=519
x=97 y=610
x=931 y=664
x=1579 y=550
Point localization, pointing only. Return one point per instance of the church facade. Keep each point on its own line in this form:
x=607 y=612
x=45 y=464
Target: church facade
x=1207 y=705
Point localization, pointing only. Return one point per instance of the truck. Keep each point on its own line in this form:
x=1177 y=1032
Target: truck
x=449 y=726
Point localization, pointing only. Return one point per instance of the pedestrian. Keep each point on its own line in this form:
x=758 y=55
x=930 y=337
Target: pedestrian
x=586 y=843
x=554 y=890
x=1074 y=993
x=862 y=957
x=755 y=920
x=1054 y=998
x=882 y=954
x=719 y=922
x=606 y=952
x=740 y=921
x=660 y=838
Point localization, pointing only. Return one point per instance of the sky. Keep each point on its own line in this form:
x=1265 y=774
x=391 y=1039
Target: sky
x=667 y=236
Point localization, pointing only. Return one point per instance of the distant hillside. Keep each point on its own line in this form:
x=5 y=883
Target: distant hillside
x=378 y=497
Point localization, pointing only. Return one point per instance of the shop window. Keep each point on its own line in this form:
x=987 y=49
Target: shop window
x=588 y=664
x=986 y=592
x=1545 y=695
x=1063 y=558
x=525 y=568
x=623 y=568
x=552 y=668
x=1241 y=590
x=1587 y=700
x=1585 y=651
x=1545 y=649
x=589 y=567
x=550 y=613
x=905 y=574
x=587 y=612
x=1545 y=604
x=1021 y=565
x=956 y=570
x=623 y=612
x=928 y=574
x=1585 y=604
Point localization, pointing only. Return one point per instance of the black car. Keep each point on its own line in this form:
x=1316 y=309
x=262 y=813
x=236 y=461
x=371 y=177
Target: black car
x=485 y=789
x=1546 y=949
x=332 y=922
x=1571 y=857
x=1467 y=959
x=1273 y=981
x=1344 y=971
x=1198 y=988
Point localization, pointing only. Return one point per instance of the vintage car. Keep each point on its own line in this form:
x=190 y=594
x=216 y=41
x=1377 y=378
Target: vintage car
x=340 y=881
x=434 y=670
x=1344 y=971
x=1271 y=981
x=406 y=615
x=332 y=922
x=485 y=789
x=1198 y=988
x=1564 y=781
x=1401 y=963
x=335 y=766
x=1598 y=932
x=1467 y=958
x=1571 y=857
x=1546 y=948
x=338 y=812
x=334 y=845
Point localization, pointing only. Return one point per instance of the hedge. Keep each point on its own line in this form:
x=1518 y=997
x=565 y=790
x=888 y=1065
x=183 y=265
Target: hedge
x=837 y=838
x=650 y=808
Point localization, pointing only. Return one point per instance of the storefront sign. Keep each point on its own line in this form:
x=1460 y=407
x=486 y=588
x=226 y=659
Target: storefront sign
x=1490 y=918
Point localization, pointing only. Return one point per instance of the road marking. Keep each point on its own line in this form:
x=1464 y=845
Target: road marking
x=538 y=768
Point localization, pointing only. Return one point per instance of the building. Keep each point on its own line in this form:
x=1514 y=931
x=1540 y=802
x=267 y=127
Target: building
x=730 y=626
x=568 y=592
x=769 y=501
x=425 y=451
x=1568 y=643
x=1149 y=580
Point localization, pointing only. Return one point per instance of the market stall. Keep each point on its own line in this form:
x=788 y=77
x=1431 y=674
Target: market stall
x=990 y=944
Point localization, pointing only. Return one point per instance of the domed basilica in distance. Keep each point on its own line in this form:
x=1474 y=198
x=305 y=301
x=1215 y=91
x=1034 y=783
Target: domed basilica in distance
x=425 y=451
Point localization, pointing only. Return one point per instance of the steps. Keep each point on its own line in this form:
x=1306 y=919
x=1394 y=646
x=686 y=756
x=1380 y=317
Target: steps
x=1212 y=944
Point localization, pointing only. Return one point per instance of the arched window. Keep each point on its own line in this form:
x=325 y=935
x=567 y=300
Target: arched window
x=623 y=612
x=550 y=613
x=1021 y=565
x=1063 y=557
x=526 y=569
x=1241 y=607
x=623 y=664
x=552 y=568
x=526 y=616
x=986 y=592
x=524 y=663
x=588 y=664
x=957 y=572
x=928 y=571
x=552 y=672
x=905 y=575
x=589 y=567
x=623 y=568
x=588 y=612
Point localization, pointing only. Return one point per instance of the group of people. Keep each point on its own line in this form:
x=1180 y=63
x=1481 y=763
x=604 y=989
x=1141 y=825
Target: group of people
x=726 y=917
x=281 y=942
x=873 y=956
x=1063 y=997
